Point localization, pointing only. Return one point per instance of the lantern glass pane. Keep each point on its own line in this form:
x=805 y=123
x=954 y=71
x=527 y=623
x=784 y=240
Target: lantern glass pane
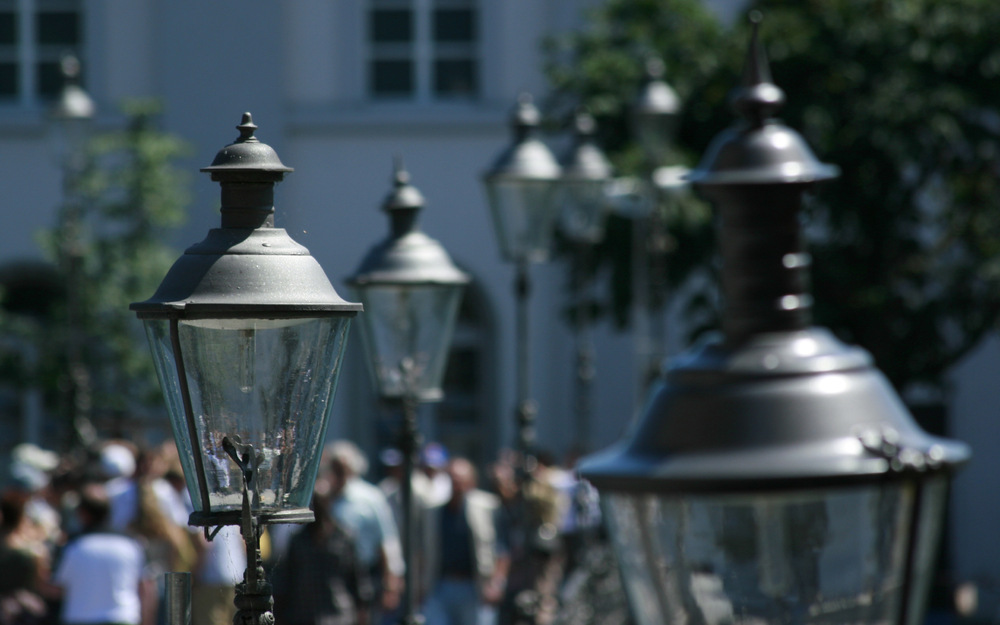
x=933 y=499
x=413 y=323
x=655 y=132
x=810 y=557
x=524 y=215
x=266 y=383
x=583 y=205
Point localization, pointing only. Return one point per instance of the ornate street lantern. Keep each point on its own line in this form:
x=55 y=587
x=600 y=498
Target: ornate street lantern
x=654 y=114
x=71 y=114
x=582 y=193
x=582 y=197
x=775 y=477
x=247 y=334
x=411 y=291
x=519 y=187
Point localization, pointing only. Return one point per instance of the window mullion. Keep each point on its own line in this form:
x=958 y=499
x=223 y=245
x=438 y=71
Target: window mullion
x=27 y=53
x=423 y=49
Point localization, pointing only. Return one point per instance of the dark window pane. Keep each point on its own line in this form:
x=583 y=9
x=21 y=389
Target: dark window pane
x=50 y=79
x=8 y=28
x=59 y=28
x=453 y=25
x=392 y=77
x=455 y=77
x=8 y=80
x=391 y=25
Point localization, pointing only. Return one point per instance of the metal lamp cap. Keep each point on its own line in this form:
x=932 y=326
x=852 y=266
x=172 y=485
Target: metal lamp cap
x=759 y=149
x=585 y=160
x=526 y=158
x=247 y=154
x=656 y=97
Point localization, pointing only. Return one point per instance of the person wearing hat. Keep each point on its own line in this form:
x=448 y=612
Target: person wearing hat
x=434 y=464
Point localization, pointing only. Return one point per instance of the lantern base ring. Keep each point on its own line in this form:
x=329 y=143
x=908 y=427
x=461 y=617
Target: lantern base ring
x=232 y=517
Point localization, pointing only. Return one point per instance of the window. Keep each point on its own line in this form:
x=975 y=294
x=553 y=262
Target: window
x=464 y=420
x=34 y=35
x=423 y=50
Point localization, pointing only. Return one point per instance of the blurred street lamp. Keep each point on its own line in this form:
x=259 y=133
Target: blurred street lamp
x=653 y=117
x=247 y=335
x=411 y=291
x=519 y=188
x=775 y=477
x=582 y=198
x=70 y=121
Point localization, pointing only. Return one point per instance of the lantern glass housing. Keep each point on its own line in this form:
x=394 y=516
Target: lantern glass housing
x=582 y=190
x=411 y=291
x=654 y=114
x=520 y=188
x=268 y=383
x=800 y=556
x=410 y=326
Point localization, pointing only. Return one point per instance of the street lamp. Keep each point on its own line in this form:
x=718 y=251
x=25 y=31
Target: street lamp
x=582 y=197
x=519 y=188
x=775 y=476
x=411 y=291
x=71 y=117
x=247 y=335
x=653 y=117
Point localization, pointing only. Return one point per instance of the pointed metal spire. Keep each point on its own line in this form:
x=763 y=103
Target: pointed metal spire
x=759 y=98
x=759 y=150
x=404 y=196
x=247 y=153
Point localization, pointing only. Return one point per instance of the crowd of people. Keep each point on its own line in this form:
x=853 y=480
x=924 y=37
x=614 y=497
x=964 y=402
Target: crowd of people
x=85 y=540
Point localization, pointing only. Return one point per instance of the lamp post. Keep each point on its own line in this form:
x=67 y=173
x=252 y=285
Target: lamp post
x=519 y=189
x=653 y=116
x=582 y=199
x=247 y=335
x=775 y=476
x=411 y=291
x=71 y=118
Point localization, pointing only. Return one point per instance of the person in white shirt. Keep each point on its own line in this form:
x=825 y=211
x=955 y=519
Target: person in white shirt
x=101 y=573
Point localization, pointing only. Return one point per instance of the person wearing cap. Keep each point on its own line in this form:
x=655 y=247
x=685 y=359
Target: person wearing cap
x=434 y=464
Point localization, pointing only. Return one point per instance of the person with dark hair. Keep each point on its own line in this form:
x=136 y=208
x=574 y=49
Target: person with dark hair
x=468 y=557
x=101 y=572
x=320 y=580
x=24 y=566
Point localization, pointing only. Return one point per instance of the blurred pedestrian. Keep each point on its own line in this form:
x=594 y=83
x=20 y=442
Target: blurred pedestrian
x=319 y=580
x=361 y=508
x=25 y=586
x=101 y=572
x=221 y=563
x=434 y=464
x=468 y=557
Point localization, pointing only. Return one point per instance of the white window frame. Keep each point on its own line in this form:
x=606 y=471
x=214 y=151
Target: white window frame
x=29 y=53
x=422 y=49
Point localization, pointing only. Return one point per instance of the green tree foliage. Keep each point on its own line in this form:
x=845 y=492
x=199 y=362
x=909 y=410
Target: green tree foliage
x=601 y=68
x=900 y=94
x=108 y=249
